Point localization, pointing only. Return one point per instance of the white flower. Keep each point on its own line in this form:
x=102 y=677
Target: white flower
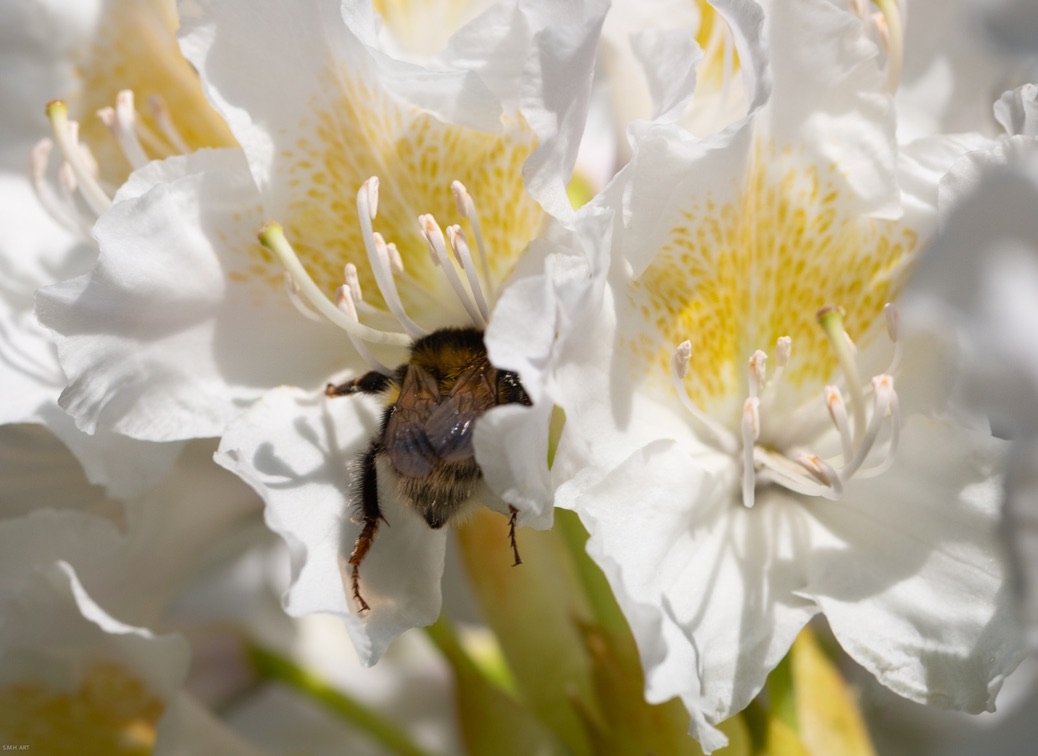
x=91 y=55
x=74 y=677
x=728 y=503
x=186 y=321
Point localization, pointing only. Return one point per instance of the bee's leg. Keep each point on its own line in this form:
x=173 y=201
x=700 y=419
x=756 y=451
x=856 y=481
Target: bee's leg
x=372 y=516
x=511 y=535
x=369 y=383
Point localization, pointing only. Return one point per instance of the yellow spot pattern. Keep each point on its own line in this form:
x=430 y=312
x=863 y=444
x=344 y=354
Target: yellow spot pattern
x=734 y=277
x=136 y=48
x=367 y=132
x=111 y=712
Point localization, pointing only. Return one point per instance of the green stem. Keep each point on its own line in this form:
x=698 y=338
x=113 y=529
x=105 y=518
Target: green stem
x=273 y=666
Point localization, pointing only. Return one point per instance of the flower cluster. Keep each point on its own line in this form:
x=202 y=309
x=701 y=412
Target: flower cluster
x=676 y=327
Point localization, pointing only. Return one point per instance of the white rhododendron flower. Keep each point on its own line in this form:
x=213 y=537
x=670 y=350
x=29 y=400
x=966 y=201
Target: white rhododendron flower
x=93 y=57
x=359 y=156
x=74 y=676
x=762 y=440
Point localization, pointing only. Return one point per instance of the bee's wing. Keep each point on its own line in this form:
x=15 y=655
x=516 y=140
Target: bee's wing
x=405 y=440
x=449 y=427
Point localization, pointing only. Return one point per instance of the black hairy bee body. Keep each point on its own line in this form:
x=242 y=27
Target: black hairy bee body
x=432 y=403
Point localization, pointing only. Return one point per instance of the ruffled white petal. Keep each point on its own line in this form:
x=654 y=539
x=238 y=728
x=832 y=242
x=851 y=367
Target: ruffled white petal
x=1017 y=111
x=829 y=98
x=182 y=323
x=298 y=450
x=909 y=573
x=677 y=547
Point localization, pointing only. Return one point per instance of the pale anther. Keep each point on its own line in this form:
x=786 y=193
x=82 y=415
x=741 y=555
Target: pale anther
x=679 y=369
x=783 y=350
x=160 y=113
x=884 y=403
x=467 y=207
x=682 y=355
x=353 y=281
x=885 y=384
x=838 y=413
x=823 y=472
x=367 y=202
x=370 y=189
x=893 y=321
x=464 y=256
x=438 y=248
x=757 y=372
x=66 y=134
x=396 y=262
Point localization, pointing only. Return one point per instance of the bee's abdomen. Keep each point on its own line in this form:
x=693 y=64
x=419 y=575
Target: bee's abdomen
x=438 y=496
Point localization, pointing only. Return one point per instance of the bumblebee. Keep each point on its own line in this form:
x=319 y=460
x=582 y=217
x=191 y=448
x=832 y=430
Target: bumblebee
x=431 y=406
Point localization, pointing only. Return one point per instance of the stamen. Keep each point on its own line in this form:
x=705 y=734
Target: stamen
x=884 y=383
x=68 y=185
x=438 y=247
x=160 y=113
x=65 y=134
x=367 y=209
x=390 y=293
x=757 y=372
x=464 y=256
x=63 y=212
x=292 y=289
x=831 y=320
x=126 y=118
x=893 y=320
x=396 y=262
x=895 y=41
x=750 y=433
x=838 y=412
x=783 y=350
x=824 y=473
x=345 y=301
x=779 y=469
x=884 y=406
x=351 y=279
x=679 y=369
x=467 y=209
x=272 y=236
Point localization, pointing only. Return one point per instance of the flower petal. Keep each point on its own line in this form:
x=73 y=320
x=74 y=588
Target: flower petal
x=708 y=585
x=909 y=574
x=297 y=450
x=182 y=322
